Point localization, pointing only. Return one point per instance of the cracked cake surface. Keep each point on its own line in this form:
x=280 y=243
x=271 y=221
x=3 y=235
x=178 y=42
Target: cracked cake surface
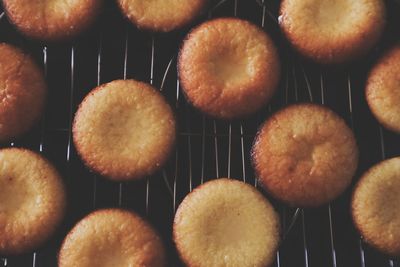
x=305 y=155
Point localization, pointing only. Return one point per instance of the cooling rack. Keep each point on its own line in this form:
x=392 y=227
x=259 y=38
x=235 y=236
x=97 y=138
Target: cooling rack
x=206 y=148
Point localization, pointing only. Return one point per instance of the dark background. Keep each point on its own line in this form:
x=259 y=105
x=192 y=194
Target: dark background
x=207 y=149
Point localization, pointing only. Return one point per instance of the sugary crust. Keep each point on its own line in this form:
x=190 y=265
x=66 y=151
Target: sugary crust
x=124 y=130
x=32 y=200
x=225 y=222
x=383 y=90
x=52 y=20
x=228 y=68
x=332 y=32
x=305 y=155
x=375 y=206
x=112 y=237
x=22 y=92
x=161 y=15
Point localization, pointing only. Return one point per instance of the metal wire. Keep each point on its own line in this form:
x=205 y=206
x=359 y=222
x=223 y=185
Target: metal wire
x=125 y=70
x=71 y=99
x=151 y=82
x=303 y=224
x=350 y=99
x=332 y=241
x=189 y=143
x=43 y=122
x=98 y=82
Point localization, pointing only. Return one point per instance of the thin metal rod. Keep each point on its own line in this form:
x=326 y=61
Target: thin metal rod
x=382 y=142
x=2 y=15
x=362 y=254
x=302 y=211
x=287 y=84
x=94 y=191
x=264 y=9
x=177 y=95
x=296 y=89
x=229 y=149
x=43 y=122
x=216 y=149
x=147 y=195
x=166 y=73
x=322 y=85
x=126 y=52
x=176 y=153
x=264 y=6
x=42 y=127
x=304 y=239
x=331 y=235
x=5 y=262
x=212 y=9
x=203 y=148
x=333 y=251
x=243 y=154
x=189 y=140
x=152 y=60
x=99 y=56
x=235 y=8
x=125 y=71
x=151 y=82
x=120 y=192
x=292 y=222
x=34 y=259
x=98 y=82
x=71 y=99
x=307 y=83
x=349 y=91
x=175 y=182
x=278 y=259
x=350 y=94
x=165 y=177
x=42 y=130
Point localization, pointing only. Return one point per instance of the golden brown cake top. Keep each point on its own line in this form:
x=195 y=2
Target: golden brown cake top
x=22 y=92
x=225 y=222
x=375 y=206
x=124 y=130
x=161 y=15
x=32 y=200
x=228 y=68
x=52 y=20
x=332 y=31
x=383 y=89
x=305 y=155
x=112 y=237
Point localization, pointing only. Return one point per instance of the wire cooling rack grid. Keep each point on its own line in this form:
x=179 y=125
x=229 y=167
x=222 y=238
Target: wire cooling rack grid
x=206 y=148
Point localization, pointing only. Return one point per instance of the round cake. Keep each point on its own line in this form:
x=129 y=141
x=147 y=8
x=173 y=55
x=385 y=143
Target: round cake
x=305 y=155
x=228 y=68
x=112 y=237
x=52 y=20
x=32 y=200
x=225 y=222
x=22 y=92
x=161 y=16
x=124 y=130
x=383 y=90
x=375 y=206
x=332 y=32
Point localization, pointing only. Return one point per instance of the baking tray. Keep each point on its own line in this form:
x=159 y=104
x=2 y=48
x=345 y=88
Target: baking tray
x=207 y=148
